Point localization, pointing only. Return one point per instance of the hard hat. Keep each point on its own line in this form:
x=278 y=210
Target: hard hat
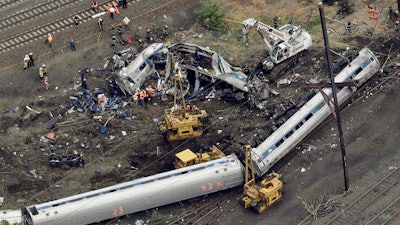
x=48 y=34
x=140 y=40
x=44 y=65
x=166 y=26
x=148 y=30
x=30 y=53
x=397 y=22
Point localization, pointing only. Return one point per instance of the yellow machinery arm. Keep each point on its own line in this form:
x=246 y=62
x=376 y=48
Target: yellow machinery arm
x=180 y=124
x=261 y=196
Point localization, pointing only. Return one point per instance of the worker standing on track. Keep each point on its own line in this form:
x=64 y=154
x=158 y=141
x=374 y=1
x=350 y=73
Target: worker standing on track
x=124 y=4
x=76 y=21
x=95 y=6
x=112 y=11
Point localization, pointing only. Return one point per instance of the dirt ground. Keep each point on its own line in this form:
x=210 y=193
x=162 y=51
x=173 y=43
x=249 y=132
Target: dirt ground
x=312 y=172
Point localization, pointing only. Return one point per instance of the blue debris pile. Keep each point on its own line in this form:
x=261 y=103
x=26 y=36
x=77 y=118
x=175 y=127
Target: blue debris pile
x=94 y=102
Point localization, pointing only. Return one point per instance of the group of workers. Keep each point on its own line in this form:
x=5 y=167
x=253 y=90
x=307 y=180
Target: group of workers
x=192 y=109
x=29 y=61
x=142 y=96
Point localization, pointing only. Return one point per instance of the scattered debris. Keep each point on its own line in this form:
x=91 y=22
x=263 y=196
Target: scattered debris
x=66 y=161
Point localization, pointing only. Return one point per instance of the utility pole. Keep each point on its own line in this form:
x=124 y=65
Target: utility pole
x=335 y=101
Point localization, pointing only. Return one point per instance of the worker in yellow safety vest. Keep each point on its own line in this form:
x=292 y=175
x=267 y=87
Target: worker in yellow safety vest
x=42 y=72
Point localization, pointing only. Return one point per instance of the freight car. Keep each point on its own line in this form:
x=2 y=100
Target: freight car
x=139 y=194
x=313 y=113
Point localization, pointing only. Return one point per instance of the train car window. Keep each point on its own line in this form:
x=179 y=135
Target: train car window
x=93 y=195
x=365 y=63
x=148 y=181
x=142 y=66
x=356 y=72
x=289 y=134
x=279 y=143
x=308 y=116
x=33 y=210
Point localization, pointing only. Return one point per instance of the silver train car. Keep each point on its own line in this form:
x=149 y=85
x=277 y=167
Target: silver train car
x=312 y=114
x=139 y=194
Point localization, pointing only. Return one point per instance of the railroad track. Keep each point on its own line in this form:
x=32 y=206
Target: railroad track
x=6 y=3
x=208 y=213
x=387 y=214
x=390 y=182
x=41 y=31
x=359 y=206
x=32 y=13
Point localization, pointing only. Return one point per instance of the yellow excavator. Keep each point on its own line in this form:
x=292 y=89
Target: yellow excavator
x=260 y=197
x=182 y=121
x=187 y=157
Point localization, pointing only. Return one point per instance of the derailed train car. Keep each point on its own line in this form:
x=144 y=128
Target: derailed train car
x=313 y=113
x=138 y=195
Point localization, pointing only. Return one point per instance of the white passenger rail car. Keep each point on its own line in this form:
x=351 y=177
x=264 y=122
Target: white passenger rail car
x=138 y=195
x=312 y=114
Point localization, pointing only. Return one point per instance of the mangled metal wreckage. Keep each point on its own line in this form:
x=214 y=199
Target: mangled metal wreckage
x=205 y=74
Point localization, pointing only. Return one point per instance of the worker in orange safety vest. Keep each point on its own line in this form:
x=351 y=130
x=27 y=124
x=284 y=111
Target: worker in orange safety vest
x=142 y=97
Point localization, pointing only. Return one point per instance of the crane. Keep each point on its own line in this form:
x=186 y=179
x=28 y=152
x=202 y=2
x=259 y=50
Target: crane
x=180 y=122
x=281 y=44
